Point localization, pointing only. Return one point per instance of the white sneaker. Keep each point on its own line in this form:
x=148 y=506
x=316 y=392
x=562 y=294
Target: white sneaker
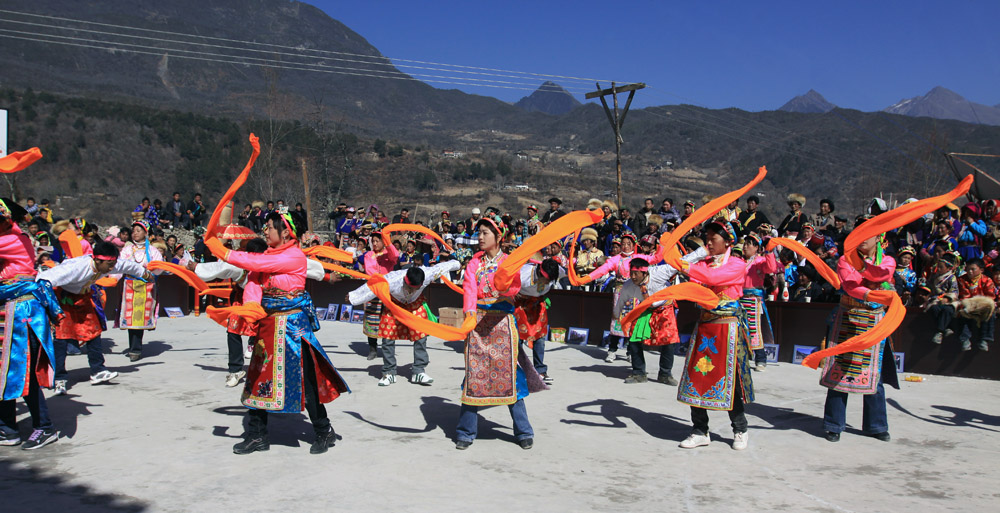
x=740 y=440
x=233 y=378
x=610 y=357
x=695 y=440
x=103 y=376
x=387 y=380
x=248 y=353
x=420 y=379
x=60 y=388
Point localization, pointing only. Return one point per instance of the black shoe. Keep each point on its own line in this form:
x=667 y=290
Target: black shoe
x=463 y=444
x=832 y=437
x=324 y=442
x=636 y=378
x=372 y=354
x=40 y=438
x=667 y=379
x=126 y=352
x=10 y=439
x=252 y=444
x=527 y=443
x=884 y=436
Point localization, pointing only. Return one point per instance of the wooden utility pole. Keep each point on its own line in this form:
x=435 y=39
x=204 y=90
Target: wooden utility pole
x=305 y=184
x=616 y=120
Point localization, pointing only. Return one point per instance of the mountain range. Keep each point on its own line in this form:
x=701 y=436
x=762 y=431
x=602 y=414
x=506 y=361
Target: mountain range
x=938 y=103
x=174 y=117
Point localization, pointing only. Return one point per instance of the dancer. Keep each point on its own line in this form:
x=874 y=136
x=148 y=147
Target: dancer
x=758 y=320
x=139 y=305
x=492 y=374
x=619 y=264
x=407 y=288
x=26 y=354
x=73 y=280
x=663 y=318
x=531 y=309
x=860 y=372
x=289 y=367
x=717 y=373
x=381 y=259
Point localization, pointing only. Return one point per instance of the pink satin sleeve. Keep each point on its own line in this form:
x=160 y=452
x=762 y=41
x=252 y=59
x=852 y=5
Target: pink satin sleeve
x=275 y=263
x=605 y=268
x=252 y=293
x=470 y=289
x=879 y=273
x=851 y=280
x=733 y=273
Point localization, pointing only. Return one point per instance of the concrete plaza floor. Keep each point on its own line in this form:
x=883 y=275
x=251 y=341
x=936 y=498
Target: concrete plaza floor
x=160 y=439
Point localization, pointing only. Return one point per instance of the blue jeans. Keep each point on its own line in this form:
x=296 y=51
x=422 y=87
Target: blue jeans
x=873 y=421
x=35 y=400
x=667 y=360
x=468 y=422
x=538 y=356
x=95 y=356
x=969 y=330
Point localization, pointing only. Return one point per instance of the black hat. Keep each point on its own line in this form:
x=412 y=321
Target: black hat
x=840 y=218
x=555 y=200
x=10 y=208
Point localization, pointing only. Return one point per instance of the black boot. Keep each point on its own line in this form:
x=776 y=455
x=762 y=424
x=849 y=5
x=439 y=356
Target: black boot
x=252 y=443
x=323 y=442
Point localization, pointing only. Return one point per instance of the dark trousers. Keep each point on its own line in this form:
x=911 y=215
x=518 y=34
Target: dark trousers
x=235 y=343
x=943 y=315
x=135 y=340
x=34 y=400
x=538 y=356
x=317 y=412
x=372 y=344
x=638 y=357
x=969 y=330
x=699 y=416
x=873 y=415
x=468 y=422
x=614 y=341
x=667 y=360
x=760 y=356
x=95 y=356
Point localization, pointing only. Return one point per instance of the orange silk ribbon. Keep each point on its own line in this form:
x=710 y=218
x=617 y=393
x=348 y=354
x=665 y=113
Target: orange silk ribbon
x=19 y=160
x=575 y=279
x=213 y=223
x=888 y=324
x=70 y=243
x=405 y=227
x=190 y=277
x=556 y=230
x=329 y=252
x=380 y=287
x=252 y=312
x=334 y=268
x=451 y=285
x=106 y=281
x=667 y=240
x=824 y=270
x=898 y=217
x=687 y=291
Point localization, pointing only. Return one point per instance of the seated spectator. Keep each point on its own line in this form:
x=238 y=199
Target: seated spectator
x=943 y=293
x=31 y=207
x=972 y=327
x=195 y=212
x=810 y=288
x=906 y=277
x=162 y=216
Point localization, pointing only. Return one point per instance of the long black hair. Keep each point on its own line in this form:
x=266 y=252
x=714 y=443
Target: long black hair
x=279 y=222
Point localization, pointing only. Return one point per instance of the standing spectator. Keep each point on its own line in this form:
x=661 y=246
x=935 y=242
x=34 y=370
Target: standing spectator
x=751 y=218
x=824 y=219
x=668 y=212
x=300 y=216
x=627 y=220
x=348 y=223
x=178 y=214
x=970 y=233
x=792 y=224
x=471 y=222
x=554 y=211
x=731 y=213
x=162 y=215
x=402 y=217
x=975 y=284
x=338 y=213
x=195 y=212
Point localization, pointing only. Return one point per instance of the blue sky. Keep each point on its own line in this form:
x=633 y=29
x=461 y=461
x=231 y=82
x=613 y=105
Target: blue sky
x=750 y=55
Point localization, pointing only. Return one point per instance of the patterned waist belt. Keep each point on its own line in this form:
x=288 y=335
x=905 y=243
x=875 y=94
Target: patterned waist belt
x=854 y=304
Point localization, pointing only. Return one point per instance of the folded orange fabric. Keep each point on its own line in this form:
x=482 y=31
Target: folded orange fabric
x=885 y=327
x=213 y=223
x=70 y=243
x=252 y=312
x=687 y=291
x=556 y=230
x=405 y=227
x=575 y=279
x=897 y=217
x=669 y=239
x=106 y=281
x=824 y=270
x=329 y=252
x=14 y=162
x=380 y=287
